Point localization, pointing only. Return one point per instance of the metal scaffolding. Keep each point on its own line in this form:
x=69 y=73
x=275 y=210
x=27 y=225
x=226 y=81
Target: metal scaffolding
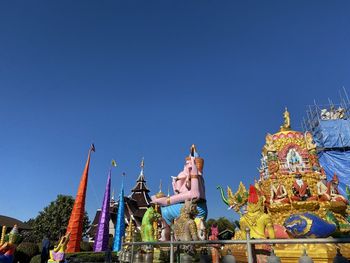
x=314 y=112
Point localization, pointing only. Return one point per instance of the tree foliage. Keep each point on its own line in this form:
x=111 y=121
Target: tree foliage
x=52 y=221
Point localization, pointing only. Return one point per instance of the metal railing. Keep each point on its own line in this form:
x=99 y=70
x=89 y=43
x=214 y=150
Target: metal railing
x=250 y=243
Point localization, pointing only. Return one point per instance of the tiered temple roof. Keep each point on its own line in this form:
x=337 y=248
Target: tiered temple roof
x=140 y=193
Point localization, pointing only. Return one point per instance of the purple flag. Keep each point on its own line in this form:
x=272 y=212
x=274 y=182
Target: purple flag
x=102 y=233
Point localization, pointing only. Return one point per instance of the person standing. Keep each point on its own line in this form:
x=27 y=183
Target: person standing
x=45 y=250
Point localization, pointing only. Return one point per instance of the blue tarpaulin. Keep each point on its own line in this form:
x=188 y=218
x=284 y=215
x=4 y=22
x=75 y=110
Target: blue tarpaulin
x=337 y=162
x=332 y=133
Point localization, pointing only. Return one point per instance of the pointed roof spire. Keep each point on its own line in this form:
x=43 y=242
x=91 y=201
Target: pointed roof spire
x=142 y=165
x=160 y=193
x=140 y=190
x=141 y=182
x=113 y=164
x=113 y=196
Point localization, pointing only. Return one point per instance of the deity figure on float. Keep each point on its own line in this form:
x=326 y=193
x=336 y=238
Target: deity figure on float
x=255 y=219
x=269 y=146
x=201 y=230
x=214 y=248
x=301 y=190
x=323 y=190
x=263 y=169
x=7 y=249
x=149 y=225
x=334 y=191
x=286 y=122
x=188 y=185
x=309 y=140
x=294 y=160
x=185 y=228
x=279 y=194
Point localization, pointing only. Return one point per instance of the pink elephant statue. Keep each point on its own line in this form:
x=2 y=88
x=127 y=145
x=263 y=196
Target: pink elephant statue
x=188 y=185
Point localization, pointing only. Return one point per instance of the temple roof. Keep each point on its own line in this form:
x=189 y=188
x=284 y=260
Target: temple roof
x=140 y=185
x=10 y=222
x=140 y=191
x=141 y=182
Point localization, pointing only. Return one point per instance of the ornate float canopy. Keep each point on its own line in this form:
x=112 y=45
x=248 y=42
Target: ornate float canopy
x=292 y=181
x=294 y=188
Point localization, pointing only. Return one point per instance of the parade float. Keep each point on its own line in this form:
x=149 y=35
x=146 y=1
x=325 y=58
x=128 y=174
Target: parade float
x=291 y=199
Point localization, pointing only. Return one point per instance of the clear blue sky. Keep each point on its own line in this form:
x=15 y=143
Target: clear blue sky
x=149 y=78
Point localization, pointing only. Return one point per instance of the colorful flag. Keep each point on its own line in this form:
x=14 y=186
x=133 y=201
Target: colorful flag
x=120 y=223
x=75 y=225
x=102 y=232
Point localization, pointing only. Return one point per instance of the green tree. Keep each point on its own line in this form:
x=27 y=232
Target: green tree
x=52 y=221
x=223 y=223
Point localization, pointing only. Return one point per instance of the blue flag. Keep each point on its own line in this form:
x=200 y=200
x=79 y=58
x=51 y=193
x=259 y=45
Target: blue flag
x=120 y=223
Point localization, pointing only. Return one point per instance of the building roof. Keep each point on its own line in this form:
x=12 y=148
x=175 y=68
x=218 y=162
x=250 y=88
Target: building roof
x=10 y=222
x=140 y=192
x=140 y=184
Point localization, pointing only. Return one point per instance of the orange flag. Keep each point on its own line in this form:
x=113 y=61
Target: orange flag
x=75 y=225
